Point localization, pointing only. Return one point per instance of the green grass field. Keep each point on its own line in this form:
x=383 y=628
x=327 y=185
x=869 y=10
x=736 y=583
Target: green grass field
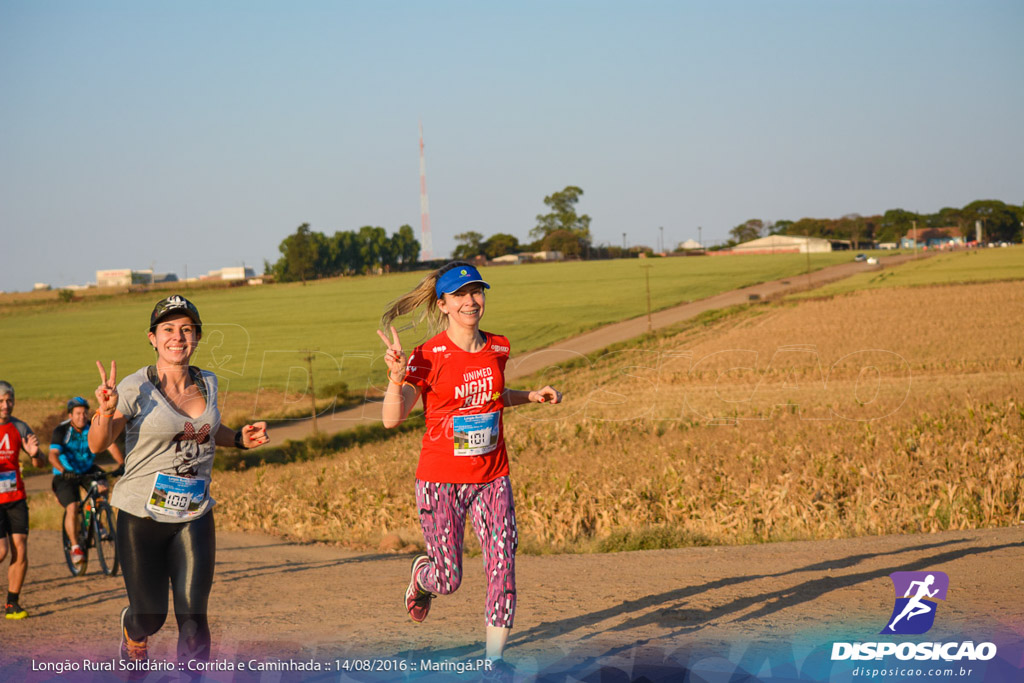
x=253 y=336
x=979 y=265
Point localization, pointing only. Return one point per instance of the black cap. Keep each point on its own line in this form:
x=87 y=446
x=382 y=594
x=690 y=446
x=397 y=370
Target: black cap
x=174 y=305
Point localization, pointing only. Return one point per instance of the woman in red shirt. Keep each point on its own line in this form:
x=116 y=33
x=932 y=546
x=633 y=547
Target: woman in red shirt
x=463 y=466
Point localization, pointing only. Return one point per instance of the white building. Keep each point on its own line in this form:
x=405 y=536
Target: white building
x=123 y=277
x=784 y=244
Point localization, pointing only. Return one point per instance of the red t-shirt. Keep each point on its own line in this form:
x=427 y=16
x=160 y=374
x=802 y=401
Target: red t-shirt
x=12 y=488
x=462 y=402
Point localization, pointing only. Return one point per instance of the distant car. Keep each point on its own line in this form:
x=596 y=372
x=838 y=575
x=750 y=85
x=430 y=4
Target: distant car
x=872 y=261
x=860 y=257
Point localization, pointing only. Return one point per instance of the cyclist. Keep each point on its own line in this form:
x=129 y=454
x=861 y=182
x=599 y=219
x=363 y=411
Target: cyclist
x=15 y=436
x=463 y=465
x=71 y=458
x=165 y=527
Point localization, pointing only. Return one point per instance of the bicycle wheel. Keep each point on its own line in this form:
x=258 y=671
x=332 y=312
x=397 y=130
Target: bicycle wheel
x=75 y=569
x=104 y=534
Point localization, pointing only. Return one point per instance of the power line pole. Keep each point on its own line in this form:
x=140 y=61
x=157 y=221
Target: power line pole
x=807 y=250
x=312 y=388
x=647 y=281
x=661 y=239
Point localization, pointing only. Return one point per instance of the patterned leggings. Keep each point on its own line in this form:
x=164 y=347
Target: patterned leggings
x=443 y=510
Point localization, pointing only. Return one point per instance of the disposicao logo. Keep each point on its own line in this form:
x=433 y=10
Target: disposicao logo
x=916 y=596
x=913 y=613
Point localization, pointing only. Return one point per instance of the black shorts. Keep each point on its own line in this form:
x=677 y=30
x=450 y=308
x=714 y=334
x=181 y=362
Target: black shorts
x=67 y=489
x=14 y=518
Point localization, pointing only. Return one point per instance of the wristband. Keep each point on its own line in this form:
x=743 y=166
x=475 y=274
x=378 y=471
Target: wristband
x=393 y=380
x=239 y=441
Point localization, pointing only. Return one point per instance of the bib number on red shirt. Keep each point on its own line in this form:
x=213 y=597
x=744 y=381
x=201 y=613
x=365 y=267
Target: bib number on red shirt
x=8 y=482
x=475 y=434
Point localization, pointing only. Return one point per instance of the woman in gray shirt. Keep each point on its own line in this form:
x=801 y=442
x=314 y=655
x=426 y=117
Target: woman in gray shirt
x=165 y=530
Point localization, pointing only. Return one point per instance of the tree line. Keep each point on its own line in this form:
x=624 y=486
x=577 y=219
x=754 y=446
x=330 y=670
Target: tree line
x=1001 y=222
x=308 y=255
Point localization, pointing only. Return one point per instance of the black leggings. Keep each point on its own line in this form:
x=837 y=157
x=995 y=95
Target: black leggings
x=153 y=553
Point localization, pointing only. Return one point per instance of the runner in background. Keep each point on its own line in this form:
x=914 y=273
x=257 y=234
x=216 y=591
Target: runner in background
x=165 y=528
x=463 y=465
x=15 y=436
x=71 y=458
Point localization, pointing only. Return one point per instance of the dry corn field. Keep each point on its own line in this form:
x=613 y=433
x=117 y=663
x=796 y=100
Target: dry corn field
x=884 y=411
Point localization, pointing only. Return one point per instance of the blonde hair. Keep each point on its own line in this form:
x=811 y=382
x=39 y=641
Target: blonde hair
x=424 y=294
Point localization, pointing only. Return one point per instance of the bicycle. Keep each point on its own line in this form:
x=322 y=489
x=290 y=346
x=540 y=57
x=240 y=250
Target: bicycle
x=96 y=528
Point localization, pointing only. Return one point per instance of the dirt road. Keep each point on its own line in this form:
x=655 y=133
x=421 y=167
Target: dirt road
x=773 y=610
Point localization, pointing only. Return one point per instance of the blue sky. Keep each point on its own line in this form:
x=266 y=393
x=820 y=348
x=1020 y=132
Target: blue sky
x=202 y=133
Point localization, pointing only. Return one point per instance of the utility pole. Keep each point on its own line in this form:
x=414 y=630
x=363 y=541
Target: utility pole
x=312 y=388
x=807 y=250
x=623 y=243
x=661 y=240
x=914 y=223
x=647 y=280
x=700 y=241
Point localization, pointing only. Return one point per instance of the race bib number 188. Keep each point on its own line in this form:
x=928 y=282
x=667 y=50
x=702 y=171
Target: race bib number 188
x=475 y=434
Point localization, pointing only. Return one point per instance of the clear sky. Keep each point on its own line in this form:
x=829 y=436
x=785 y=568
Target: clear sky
x=200 y=134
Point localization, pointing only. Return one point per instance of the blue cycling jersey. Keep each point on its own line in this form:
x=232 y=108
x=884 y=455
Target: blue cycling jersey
x=73 y=446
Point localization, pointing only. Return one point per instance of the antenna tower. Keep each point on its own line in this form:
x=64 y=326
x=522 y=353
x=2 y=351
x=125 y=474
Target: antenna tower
x=426 y=244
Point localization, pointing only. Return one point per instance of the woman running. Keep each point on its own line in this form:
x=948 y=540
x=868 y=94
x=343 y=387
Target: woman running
x=165 y=530
x=463 y=465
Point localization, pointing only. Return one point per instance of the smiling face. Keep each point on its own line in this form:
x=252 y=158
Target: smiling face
x=6 y=407
x=465 y=306
x=79 y=416
x=175 y=339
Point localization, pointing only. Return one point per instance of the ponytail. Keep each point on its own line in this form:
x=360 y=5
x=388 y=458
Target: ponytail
x=424 y=294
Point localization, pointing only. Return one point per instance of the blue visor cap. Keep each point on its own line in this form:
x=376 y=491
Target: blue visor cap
x=458 y=277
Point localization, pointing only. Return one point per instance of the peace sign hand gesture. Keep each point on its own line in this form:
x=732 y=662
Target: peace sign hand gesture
x=106 y=392
x=394 y=357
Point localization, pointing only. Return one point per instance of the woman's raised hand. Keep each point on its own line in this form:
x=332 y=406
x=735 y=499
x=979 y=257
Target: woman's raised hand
x=393 y=357
x=106 y=392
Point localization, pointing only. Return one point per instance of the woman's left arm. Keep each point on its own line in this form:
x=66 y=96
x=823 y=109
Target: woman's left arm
x=249 y=436
x=514 y=397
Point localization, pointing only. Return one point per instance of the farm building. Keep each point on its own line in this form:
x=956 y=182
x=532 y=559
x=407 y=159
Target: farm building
x=689 y=245
x=789 y=244
x=123 y=277
x=230 y=273
x=933 y=237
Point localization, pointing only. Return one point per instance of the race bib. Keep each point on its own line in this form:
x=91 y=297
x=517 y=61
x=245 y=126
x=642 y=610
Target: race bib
x=475 y=434
x=176 y=496
x=8 y=481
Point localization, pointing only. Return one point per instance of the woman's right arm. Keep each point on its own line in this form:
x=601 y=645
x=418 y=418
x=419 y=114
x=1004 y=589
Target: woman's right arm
x=400 y=396
x=107 y=423
x=398 y=402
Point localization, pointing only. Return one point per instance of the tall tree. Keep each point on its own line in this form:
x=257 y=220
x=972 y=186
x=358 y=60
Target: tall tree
x=405 y=248
x=750 y=230
x=999 y=222
x=563 y=216
x=298 y=257
x=500 y=244
x=374 y=247
x=470 y=245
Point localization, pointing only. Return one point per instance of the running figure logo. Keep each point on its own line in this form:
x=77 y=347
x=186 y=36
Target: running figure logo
x=916 y=595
